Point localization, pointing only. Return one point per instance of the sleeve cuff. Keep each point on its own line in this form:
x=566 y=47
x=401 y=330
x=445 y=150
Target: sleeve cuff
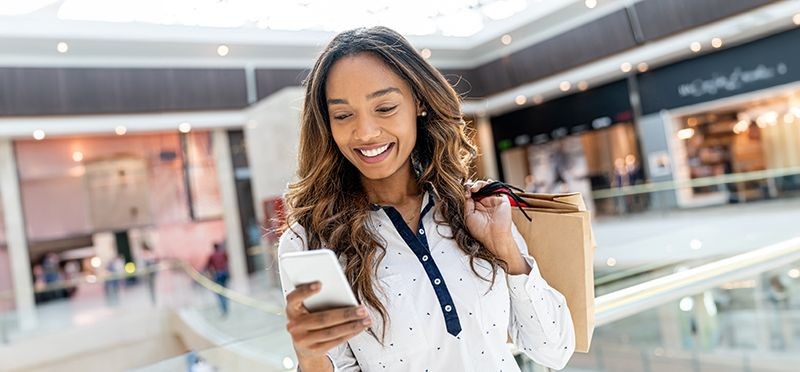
x=523 y=285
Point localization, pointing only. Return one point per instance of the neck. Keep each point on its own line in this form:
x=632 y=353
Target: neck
x=396 y=189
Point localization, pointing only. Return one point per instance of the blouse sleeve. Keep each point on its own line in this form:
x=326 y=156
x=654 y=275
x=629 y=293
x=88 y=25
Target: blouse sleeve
x=540 y=323
x=293 y=240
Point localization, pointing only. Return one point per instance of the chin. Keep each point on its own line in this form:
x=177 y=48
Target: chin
x=376 y=174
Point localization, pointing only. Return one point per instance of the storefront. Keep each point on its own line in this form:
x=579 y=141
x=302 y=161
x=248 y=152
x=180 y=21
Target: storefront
x=732 y=112
x=105 y=196
x=581 y=142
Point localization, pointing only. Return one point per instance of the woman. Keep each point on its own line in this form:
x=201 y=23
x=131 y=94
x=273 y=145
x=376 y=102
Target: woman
x=443 y=280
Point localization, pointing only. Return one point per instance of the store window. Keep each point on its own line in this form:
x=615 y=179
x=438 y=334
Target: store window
x=755 y=140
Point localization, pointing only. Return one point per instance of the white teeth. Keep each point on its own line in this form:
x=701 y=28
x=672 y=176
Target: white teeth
x=374 y=152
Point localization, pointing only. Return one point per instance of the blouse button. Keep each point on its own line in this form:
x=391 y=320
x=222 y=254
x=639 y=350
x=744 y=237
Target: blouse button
x=422 y=231
x=425 y=257
x=448 y=308
x=437 y=281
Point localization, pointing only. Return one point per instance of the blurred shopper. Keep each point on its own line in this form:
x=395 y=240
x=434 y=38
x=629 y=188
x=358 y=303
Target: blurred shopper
x=444 y=280
x=113 y=279
x=150 y=262
x=217 y=267
x=52 y=276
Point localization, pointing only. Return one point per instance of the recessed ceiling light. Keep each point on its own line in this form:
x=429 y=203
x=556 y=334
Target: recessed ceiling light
x=120 y=130
x=77 y=156
x=796 y=19
x=506 y=39
x=716 y=42
x=583 y=85
x=625 y=67
x=537 y=99
x=642 y=67
x=62 y=47
x=223 y=50
x=520 y=100
x=611 y=262
x=564 y=86
x=185 y=127
x=590 y=3
x=695 y=46
x=426 y=53
x=38 y=134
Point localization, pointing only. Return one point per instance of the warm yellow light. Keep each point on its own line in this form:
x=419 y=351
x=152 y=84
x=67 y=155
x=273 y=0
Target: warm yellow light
x=794 y=273
x=691 y=122
x=426 y=53
x=642 y=67
x=62 y=47
x=625 y=67
x=537 y=99
x=120 y=130
x=130 y=267
x=611 y=262
x=796 y=19
x=564 y=86
x=520 y=100
x=590 y=3
x=96 y=262
x=185 y=127
x=505 y=39
x=583 y=85
x=77 y=156
x=288 y=363
x=38 y=135
x=695 y=47
x=223 y=50
x=741 y=126
x=716 y=42
x=685 y=134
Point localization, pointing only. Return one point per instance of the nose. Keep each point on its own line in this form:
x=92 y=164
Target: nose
x=365 y=130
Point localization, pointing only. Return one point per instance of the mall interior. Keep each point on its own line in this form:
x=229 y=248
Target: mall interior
x=135 y=136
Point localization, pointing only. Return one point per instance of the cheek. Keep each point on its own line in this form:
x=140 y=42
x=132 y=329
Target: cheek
x=340 y=138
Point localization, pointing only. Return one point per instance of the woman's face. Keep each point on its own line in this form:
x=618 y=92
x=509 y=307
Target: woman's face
x=373 y=115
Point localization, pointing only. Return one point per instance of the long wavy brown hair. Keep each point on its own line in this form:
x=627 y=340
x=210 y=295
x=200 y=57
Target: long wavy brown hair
x=328 y=200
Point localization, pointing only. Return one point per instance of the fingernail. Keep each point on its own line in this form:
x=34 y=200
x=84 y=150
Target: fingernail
x=367 y=321
x=361 y=311
x=315 y=286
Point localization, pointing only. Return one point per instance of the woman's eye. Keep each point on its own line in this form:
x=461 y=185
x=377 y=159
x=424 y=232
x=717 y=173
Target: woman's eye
x=341 y=117
x=387 y=109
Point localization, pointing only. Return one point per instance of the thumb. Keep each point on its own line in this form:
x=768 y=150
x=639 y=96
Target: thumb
x=469 y=206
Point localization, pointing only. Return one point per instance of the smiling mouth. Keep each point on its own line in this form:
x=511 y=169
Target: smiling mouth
x=371 y=153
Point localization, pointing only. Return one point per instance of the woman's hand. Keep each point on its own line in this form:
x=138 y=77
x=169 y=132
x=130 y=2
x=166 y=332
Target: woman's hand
x=314 y=334
x=489 y=222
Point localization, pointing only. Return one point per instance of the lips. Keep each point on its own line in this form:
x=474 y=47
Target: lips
x=374 y=154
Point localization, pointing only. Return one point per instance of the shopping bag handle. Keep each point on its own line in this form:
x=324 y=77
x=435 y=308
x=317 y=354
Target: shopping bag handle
x=502 y=188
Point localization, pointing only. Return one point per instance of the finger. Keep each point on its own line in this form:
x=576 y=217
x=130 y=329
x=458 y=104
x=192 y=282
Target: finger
x=329 y=318
x=339 y=331
x=469 y=207
x=478 y=185
x=294 y=300
x=324 y=347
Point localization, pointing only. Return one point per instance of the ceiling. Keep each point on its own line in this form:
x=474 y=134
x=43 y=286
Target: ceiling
x=271 y=33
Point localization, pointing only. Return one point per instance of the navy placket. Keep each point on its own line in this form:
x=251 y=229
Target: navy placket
x=419 y=245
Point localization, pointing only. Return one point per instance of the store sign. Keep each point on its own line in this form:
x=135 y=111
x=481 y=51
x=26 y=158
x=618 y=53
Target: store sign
x=738 y=79
x=750 y=67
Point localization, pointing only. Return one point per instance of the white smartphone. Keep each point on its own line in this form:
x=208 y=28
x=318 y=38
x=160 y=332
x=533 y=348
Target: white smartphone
x=319 y=265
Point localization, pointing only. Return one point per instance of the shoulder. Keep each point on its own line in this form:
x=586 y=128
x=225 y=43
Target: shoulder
x=293 y=239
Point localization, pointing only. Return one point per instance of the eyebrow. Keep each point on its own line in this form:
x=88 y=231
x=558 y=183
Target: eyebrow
x=373 y=95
